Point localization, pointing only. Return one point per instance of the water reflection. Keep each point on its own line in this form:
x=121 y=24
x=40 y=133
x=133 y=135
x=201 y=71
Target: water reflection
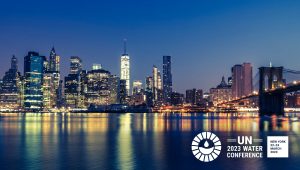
x=130 y=141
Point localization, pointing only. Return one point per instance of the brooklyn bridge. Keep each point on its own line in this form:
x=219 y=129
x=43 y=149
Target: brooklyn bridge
x=272 y=84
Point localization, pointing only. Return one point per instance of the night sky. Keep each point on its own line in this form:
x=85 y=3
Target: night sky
x=205 y=38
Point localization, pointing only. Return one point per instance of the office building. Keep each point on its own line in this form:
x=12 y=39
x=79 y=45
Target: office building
x=123 y=92
x=177 y=98
x=72 y=83
x=167 y=79
x=76 y=65
x=190 y=96
x=97 y=67
x=199 y=97
x=137 y=86
x=98 y=90
x=125 y=69
x=157 y=85
x=148 y=91
x=33 y=73
x=221 y=93
x=241 y=80
x=114 y=88
x=11 y=87
x=247 y=79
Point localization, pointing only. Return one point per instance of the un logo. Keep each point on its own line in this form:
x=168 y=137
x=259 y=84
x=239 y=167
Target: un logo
x=206 y=146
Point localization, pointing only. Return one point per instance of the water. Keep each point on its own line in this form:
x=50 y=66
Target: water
x=134 y=141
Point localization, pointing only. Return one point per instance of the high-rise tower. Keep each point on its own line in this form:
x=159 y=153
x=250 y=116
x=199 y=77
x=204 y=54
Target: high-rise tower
x=11 y=86
x=125 y=68
x=241 y=80
x=54 y=61
x=33 y=72
x=167 y=79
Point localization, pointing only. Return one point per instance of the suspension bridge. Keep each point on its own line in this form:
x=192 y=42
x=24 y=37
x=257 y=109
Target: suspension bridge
x=270 y=87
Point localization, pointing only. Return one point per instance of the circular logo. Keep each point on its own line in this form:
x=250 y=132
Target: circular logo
x=206 y=146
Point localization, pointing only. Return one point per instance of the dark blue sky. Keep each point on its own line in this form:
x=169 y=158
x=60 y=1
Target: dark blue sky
x=204 y=38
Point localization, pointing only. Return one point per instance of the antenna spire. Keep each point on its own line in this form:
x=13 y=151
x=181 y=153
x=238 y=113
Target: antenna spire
x=125 y=48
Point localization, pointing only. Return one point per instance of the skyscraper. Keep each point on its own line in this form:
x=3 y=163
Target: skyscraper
x=72 y=90
x=123 y=92
x=98 y=89
x=54 y=61
x=49 y=90
x=76 y=65
x=237 y=81
x=190 y=96
x=167 y=79
x=148 y=91
x=10 y=88
x=52 y=85
x=114 y=88
x=137 y=86
x=199 y=96
x=247 y=79
x=155 y=82
x=241 y=80
x=33 y=72
x=72 y=83
x=149 y=83
x=125 y=68
x=157 y=86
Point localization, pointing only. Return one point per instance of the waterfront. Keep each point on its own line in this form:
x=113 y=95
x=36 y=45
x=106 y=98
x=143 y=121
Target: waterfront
x=134 y=141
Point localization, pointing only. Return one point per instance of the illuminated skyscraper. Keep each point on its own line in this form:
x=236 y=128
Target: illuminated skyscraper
x=137 y=86
x=52 y=84
x=54 y=61
x=155 y=82
x=49 y=90
x=157 y=86
x=167 y=79
x=98 y=89
x=96 y=66
x=199 y=96
x=159 y=81
x=76 y=65
x=125 y=68
x=33 y=72
x=241 y=80
x=10 y=88
x=221 y=93
x=149 y=83
x=148 y=91
x=114 y=88
x=72 y=83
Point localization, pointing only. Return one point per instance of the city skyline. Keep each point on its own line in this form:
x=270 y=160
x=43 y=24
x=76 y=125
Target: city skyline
x=172 y=84
x=65 y=70
x=255 y=32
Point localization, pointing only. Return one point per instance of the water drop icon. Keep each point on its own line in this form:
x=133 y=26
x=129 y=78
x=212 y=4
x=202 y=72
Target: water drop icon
x=206 y=144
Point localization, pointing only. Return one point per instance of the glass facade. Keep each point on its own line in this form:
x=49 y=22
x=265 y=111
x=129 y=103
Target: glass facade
x=33 y=72
x=167 y=79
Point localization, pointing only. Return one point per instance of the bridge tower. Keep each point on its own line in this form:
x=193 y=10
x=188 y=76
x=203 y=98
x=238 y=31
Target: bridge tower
x=271 y=102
